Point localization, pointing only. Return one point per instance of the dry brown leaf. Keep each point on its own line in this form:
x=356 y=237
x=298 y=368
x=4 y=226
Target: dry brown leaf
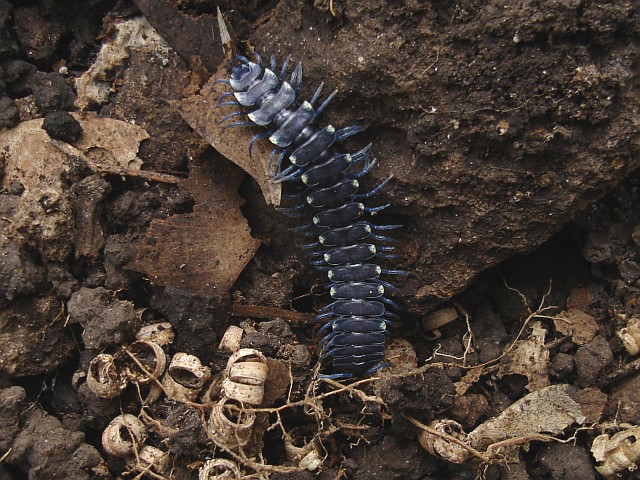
x=548 y=410
x=581 y=326
x=468 y=380
x=200 y=112
x=30 y=156
x=401 y=356
x=201 y=252
x=530 y=358
x=110 y=141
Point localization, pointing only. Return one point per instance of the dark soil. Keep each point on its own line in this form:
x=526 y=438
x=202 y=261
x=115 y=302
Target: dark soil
x=511 y=129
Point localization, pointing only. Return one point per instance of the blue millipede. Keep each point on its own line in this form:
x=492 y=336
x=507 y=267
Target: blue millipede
x=346 y=244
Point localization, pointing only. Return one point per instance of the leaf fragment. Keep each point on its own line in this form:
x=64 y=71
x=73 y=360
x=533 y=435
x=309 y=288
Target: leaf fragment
x=581 y=326
x=202 y=252
x=530 y=358
x=201 y=113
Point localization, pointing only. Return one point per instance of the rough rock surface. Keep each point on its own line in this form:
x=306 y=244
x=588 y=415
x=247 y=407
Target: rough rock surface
x=106 y=321
x=500 y=120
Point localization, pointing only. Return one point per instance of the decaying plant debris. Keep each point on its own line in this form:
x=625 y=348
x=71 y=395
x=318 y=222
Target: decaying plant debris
x=135 y=231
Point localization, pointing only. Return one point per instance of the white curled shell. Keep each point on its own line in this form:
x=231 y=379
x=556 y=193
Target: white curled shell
x=213 y=392
x=185 y=377
x=161 y=333
x=249 y=373
x=300 y=448
x=249 y=394
x=124 y=436
x=148 y=354
x=442 y=447
x=231 y=339
x=630 y=336
x=219 y=469
x=432 y=322
x=617 y=453
x=104 y=378
x=153 y=458
x=248 y=366
x=230 y=425
x=246 y=373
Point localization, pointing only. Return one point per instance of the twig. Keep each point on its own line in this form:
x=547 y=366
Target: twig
x=333 y=12
x=4 y=457
x=101 y=168
x=257 y=311
x=619 y=374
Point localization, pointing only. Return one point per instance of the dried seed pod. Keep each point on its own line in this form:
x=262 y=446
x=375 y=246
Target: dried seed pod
x=630 y=336
x=104 y=378
x=618 y=453
x=230 y=424
x=185 y=377
x=151 y=458
x=441 y=447
x=150 y=355
x=219 y=469
x=231 y=339
x=124 y=436
x=161 y=333
x=301 y=449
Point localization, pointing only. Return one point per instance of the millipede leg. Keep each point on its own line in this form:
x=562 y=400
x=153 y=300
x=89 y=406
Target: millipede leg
x=361 y=196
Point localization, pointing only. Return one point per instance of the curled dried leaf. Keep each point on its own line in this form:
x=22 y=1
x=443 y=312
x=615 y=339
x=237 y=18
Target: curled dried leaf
x=249 y=394
x=434 y=320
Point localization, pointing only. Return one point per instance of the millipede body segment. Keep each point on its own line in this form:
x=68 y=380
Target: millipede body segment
x=346 y=244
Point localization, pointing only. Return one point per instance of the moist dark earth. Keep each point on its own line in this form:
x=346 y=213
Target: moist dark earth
x=511 y=132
